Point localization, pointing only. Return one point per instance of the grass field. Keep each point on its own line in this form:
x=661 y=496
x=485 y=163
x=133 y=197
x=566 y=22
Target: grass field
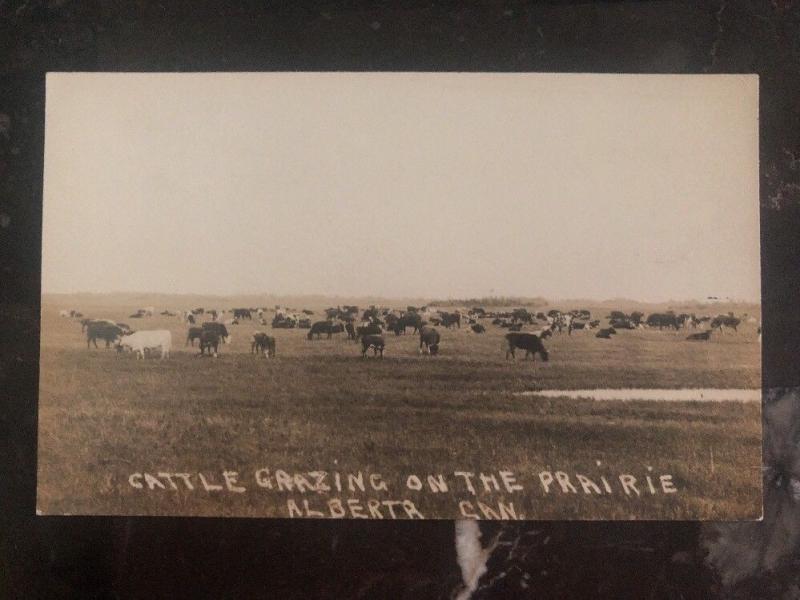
x=319 y=406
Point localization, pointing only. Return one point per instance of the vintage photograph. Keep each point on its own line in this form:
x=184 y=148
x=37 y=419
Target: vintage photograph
x=401 y=296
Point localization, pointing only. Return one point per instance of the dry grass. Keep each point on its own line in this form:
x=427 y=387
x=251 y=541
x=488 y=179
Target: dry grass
x=318 y=405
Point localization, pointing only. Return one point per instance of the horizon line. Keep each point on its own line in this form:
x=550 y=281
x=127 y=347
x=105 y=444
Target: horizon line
x=429 y=298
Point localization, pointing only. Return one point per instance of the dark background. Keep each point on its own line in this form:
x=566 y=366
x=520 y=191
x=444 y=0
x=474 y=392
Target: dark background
x=147 y=557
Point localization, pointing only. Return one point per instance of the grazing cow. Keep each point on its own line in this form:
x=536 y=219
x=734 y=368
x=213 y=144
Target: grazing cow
x=605 y=333
x=103 y=330
x=410 y=319
x=725 y=321
x=195 y=333
x=263 y=343
x=209 y=340
x=242 y=313
x=662 y=320
x=219 y=329
x=429 y=338
x=376 y=342
x=703 y=336
x=478 y=328
x=326 y=327
x=144 y=341
x=530 y=342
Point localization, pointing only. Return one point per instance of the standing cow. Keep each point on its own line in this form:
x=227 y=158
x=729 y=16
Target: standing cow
x=429 y=339
x=141 y=342
x=103 y=330
x=263 y=343
x=376 y=342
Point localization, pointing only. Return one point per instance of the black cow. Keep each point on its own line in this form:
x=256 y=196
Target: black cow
x=451 y=320
x=368 y=330
x=429 y=338
x=209 y=340
x=242 y=313
x=103 y=330
x=725 y=321
x=703 y=336
x=662 y=320
x=263 y=343
x=478 y=328
x=376 y=342
x=410 y=319
x=194 y=334
x=350 y=329
x=622 y=324
x=605 y=333
x=218 y=328
x=326 y=327
x=530 y=342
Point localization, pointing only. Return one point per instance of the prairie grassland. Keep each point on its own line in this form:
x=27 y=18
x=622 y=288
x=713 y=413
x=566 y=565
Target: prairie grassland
x=320 y=406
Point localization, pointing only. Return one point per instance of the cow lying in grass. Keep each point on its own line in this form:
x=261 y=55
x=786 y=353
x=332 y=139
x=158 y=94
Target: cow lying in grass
x=605 y=333
x=703 y=336
x=530 y=342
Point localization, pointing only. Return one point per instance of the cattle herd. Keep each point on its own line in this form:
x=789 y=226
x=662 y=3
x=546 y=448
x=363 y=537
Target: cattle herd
x=370 y=327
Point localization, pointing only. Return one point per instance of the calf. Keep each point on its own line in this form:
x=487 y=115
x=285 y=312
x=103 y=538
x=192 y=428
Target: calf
x=263 y=343
x=530 y=342
x=143 y=341
x=376 y=342
x=429 y=338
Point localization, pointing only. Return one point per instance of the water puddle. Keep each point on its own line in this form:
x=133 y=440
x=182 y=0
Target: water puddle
x=679 y=395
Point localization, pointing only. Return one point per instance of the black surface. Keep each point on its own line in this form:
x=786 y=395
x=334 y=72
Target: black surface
x=117 y=557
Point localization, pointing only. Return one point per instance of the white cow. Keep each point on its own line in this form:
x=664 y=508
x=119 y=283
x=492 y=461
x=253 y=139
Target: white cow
x=148 y=340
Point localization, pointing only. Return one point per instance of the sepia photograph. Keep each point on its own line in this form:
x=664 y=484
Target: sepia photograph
x=401 y=296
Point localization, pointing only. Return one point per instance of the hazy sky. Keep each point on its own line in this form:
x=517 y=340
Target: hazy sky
x=431 y=185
